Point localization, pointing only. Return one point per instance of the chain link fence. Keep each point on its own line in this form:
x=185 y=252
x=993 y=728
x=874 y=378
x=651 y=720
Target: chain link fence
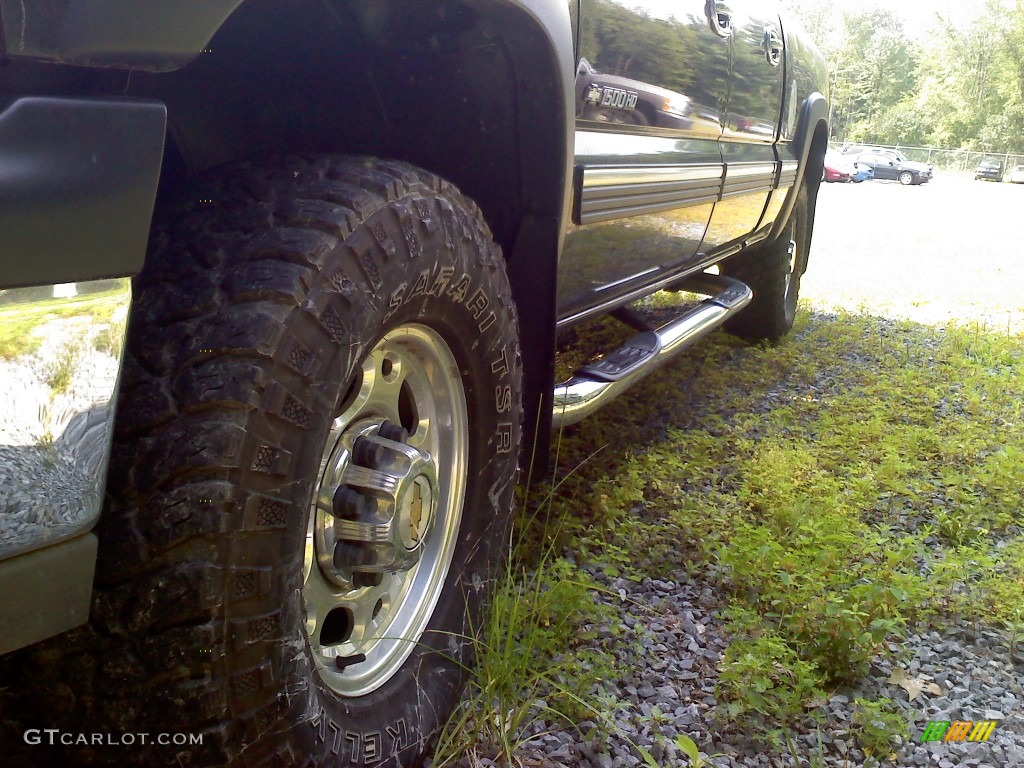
x=945 y=159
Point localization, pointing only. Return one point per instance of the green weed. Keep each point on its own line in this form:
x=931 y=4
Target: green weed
x=534 y=658
x=875 y=723
x=20 y=324
x=110 y=339
x=765 y=683
x=62 y=370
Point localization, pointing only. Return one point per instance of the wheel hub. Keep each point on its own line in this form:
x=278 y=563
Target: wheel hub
x=376 y=503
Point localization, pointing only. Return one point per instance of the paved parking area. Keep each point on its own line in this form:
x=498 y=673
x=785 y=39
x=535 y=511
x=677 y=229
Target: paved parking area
x=949 y=249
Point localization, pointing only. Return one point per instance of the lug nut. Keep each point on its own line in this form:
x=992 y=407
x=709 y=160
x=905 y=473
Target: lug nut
x=391 y=431
x=348 y=555
x=367 y=453
x=349 y=504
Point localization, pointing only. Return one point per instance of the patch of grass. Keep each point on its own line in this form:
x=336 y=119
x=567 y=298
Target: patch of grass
x=986 y=582
x=110 y=339
x=816 y=759
x=534 y=658
x=17 y=335
x=62 y=370
x=764 y=681
x=20 y=324
x=858 y=477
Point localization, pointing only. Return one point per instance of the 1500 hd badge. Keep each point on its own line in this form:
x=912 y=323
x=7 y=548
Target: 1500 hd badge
x=613 y=98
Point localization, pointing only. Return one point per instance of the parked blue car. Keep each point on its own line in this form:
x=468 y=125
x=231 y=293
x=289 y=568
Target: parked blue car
x=862 y=172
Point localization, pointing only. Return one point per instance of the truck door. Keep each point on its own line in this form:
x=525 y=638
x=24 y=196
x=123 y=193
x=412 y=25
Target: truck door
x=752 y=117
x=651 y=90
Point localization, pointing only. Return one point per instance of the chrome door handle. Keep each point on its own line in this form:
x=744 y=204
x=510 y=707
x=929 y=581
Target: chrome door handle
x=773 y=46
x=719 y=17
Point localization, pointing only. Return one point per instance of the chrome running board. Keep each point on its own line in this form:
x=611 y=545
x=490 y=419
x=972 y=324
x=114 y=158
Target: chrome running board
x=596 y=384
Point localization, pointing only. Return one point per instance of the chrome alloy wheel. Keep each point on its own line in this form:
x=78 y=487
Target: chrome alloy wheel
x=386 y=510
x=793 y=254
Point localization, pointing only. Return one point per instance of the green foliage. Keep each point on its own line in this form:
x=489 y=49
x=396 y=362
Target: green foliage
x=765 y=684
x=532 y=661
x=17 y=336
x=875 y=723
x=815 y=759
x=62 y=369
x=21 y=324
x=689 y=748
x=536 y=655
x=956 y=86
x=875 y=76
x=984 y=584
x=110 y=339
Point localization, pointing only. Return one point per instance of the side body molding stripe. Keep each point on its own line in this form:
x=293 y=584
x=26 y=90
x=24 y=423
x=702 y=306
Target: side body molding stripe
x=603 y=193
x=745 y=178
x=788 y=174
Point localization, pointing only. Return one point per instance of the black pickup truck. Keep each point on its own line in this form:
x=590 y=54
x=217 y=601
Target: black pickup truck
x=280 y=284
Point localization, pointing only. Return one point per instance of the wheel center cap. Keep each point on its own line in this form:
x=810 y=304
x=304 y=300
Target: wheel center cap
x=417 y=512
x=376 y=504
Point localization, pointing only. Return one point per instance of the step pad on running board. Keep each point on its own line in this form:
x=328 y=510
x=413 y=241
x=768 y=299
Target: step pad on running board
x=630 y=357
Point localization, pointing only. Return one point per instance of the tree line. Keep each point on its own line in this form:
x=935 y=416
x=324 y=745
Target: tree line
x=958 y=87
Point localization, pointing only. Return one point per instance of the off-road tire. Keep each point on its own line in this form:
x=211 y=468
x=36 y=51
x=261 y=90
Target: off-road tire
x=265 y=289
x=773 y=273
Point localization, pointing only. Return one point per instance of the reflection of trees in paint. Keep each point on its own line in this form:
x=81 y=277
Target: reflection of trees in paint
x=679 y=54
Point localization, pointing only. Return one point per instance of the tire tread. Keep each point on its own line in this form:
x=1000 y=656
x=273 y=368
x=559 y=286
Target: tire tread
x=206 y=330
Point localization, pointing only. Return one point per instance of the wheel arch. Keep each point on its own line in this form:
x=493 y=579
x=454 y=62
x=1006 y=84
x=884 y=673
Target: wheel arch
x=811 y=142
x=477 y=91
x=812 y=176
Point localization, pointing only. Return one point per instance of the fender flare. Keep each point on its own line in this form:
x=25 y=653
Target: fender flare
x=813 y=116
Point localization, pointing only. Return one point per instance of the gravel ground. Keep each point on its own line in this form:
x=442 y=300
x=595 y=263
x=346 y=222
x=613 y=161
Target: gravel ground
x=676 y=670
x=52 y=444
x=947 y=251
